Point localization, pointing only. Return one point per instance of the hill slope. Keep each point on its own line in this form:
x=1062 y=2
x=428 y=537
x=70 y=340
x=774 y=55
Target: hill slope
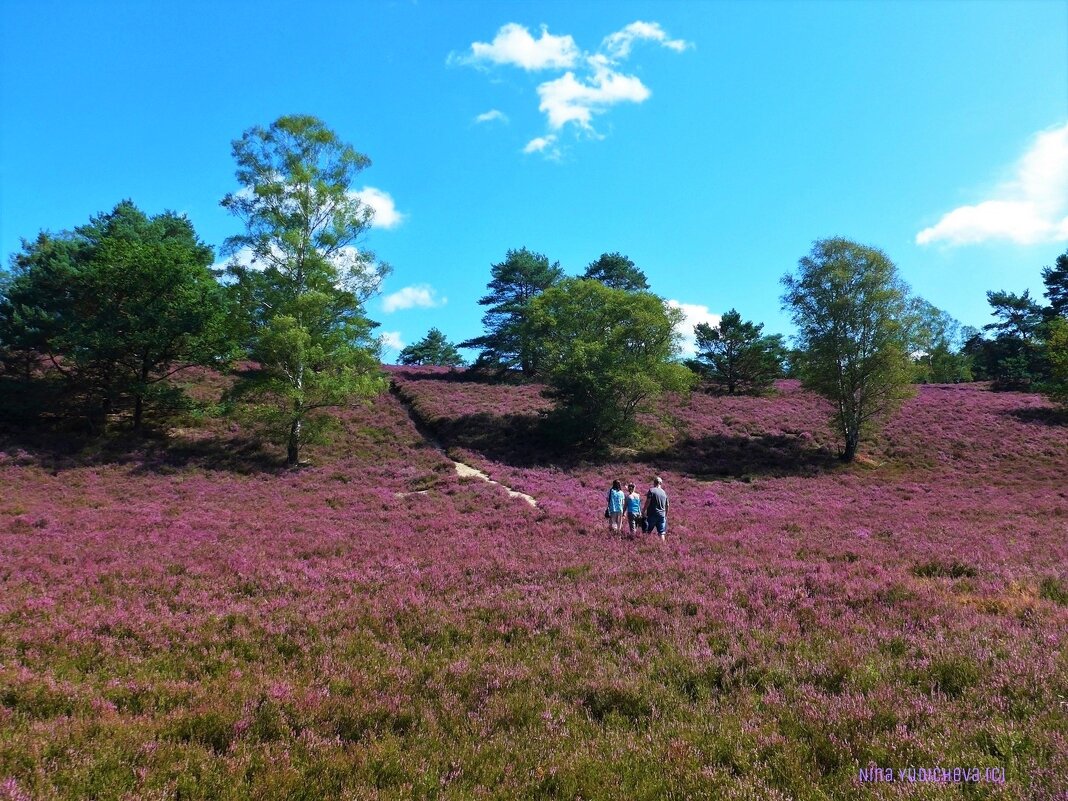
x=377 y=626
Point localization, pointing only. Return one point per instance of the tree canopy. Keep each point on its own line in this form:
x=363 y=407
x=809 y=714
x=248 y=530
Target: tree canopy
x=605 y=353
x=515 y=282
x=935 y=344
x=434 y=349
x=303 y=293
x=735 y=356
x=618 y=272
x=117 y=305
x=1056 y=280
x=848 y=305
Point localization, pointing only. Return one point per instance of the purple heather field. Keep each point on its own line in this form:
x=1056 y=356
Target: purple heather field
x=190 y=621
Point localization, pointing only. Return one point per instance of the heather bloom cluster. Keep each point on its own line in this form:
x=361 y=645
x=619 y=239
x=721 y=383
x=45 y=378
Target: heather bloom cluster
x=377 y=626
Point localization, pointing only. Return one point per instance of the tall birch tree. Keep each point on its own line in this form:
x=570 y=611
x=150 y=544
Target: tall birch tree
x=301 y=279
x=849 y=307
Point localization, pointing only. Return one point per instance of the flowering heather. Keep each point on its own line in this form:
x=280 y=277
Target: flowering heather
x=374 y=626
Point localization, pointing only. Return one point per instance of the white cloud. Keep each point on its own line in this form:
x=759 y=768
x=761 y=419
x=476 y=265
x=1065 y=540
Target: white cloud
x=491 y=115
x=1030 y=208
x=386 y=213
x=539 y=143
x=514 y=45
x=591 y=83
x=694 y=314
x=391 y=340
x=568 y=99
x=421 y=296
x=618 y=44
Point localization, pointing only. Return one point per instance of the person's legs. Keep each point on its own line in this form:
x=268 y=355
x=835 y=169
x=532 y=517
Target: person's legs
x=615 y=522
x=657 y=523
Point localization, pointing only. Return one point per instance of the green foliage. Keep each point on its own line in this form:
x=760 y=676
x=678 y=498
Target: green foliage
x=605 y=353
x=1053 y=589
x=942 y=570
x=934 y=343
x=1056 y=280
x=1057 y=357
x=432 y=349
x=303 y=317
x=117 y=305
x=618 y=272
x=736 y=357
x=1018 y=316
x=849 y=308
x=515 y=282
x=1015 y=359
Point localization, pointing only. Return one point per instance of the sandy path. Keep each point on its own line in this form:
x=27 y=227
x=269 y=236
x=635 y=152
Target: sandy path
x=462 y=470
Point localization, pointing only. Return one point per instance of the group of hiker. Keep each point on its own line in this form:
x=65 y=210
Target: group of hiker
x=648 y=514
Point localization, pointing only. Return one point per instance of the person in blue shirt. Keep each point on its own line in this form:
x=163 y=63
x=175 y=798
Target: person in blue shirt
x=615 y=507
x=634 y=510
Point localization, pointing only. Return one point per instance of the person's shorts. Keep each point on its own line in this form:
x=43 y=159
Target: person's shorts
x=655 y=521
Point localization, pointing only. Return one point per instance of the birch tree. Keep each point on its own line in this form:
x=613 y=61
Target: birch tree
x=849 y=307
x=301 y=279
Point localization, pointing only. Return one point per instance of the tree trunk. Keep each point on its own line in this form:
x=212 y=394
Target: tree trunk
x=139 y=399
x=105 y=412
x=293 y=451
x=852 y=441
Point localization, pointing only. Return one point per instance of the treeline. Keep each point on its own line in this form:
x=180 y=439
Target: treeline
x=1028 y=344
x=93 y=321
x=606 y=347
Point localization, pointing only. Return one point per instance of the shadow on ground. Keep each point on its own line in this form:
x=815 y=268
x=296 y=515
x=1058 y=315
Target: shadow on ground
x=152 y=453
x=723 y=456
x=1047 y=415
x=528 y=441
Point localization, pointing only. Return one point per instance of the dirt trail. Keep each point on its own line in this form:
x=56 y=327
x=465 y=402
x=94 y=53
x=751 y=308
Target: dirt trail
x=462 y=470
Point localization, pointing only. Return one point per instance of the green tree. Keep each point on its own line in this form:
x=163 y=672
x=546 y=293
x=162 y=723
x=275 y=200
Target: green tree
x=432 y=349
x=1015 y=359
x=1057 y=354
x=1018 y=316
x=848 y=305
x=117 y=305
x=303 y=294
x=606 y=353
x=934 y=343
x=515 y=282
x=735 y=355
x=617 y=271
x=1056 y=280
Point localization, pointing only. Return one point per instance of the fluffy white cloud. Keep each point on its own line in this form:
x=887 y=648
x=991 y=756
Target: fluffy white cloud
x=568 y=99
x=618 y=44
x=491 y=115
x=514 y=45
x=591 y=83
x=386 y=213
x=694 y=314
x=1030 y=208
x=421 y=296
x=391 y=340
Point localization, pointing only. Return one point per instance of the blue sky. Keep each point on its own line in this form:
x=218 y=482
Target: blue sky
x=712 y=142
